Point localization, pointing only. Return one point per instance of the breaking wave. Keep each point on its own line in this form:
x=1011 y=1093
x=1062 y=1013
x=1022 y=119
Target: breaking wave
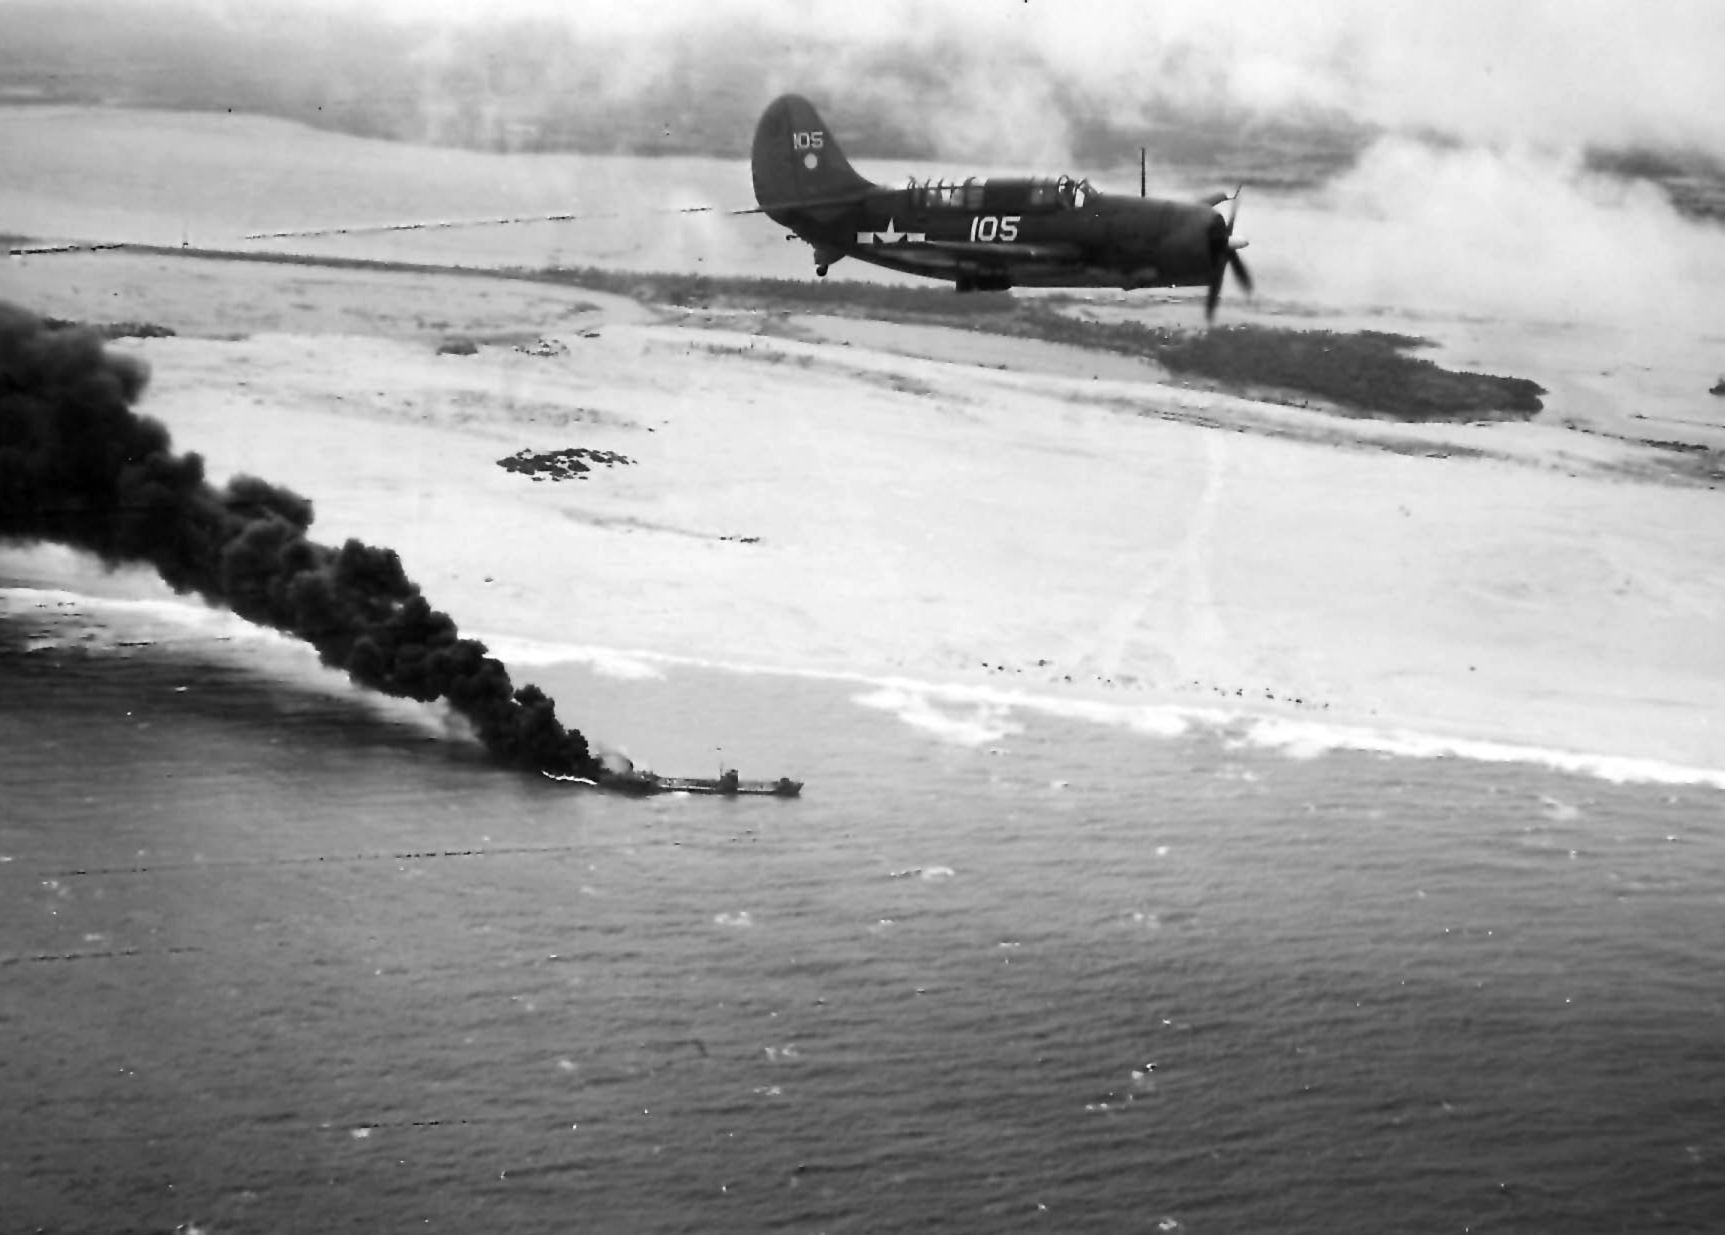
x=976 y=715
x=972 y=723
x=1308 y=740
x=961 y=714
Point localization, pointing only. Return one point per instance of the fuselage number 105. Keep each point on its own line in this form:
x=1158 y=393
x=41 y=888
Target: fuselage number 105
x=807 y=139
x=995 y=227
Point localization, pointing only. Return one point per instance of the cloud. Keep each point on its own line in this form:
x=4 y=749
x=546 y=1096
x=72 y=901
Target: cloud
x=1000 y=76
x=1561 y=73
x=1005 y=79
x=1524 y=231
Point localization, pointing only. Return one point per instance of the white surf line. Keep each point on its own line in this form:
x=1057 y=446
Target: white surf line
x=1307 y=739
x=1292 y=736
x=1273 y=732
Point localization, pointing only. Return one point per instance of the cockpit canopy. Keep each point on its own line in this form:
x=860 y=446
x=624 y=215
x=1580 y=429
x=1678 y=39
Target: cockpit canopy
x=1009 y=196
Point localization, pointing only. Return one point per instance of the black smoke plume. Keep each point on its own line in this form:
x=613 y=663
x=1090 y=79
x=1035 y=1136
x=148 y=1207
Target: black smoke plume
x=79 y=467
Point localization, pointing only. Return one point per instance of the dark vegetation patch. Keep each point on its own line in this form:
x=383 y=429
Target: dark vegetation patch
x=114 y=330
x=1687 y=462
x=1369 y=371
x=839 y=296
x=526 y=342
x=1692 y=462
x=1682 y=448
x=765 y=355
x=1365 y=372
x=1305 y=429
x=1695 y=461
x=570 y=463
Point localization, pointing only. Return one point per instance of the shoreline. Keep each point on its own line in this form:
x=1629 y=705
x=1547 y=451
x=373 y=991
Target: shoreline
x=967 y=713
x=937 y=510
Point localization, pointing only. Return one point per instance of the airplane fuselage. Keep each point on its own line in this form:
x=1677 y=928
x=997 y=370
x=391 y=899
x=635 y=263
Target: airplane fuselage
x=994 y=234
x=982 y=235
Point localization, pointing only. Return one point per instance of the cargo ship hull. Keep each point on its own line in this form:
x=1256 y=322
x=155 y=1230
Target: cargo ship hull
x=646 y=784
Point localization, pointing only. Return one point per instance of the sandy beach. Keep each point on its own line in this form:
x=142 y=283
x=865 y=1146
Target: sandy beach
x=856 y=498
x=975 y=512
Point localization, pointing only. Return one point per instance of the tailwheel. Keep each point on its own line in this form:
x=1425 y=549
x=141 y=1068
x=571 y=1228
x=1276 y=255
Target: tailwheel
x=821 y=270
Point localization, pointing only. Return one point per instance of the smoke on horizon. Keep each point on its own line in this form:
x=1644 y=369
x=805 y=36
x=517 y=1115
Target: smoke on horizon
x=1514 y=235
x=1004 y=80
x=1558 y=161
x=989 y=81
x=79 y=467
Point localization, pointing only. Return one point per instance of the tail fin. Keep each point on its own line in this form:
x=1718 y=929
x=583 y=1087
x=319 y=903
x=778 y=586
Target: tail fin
x=796 y=160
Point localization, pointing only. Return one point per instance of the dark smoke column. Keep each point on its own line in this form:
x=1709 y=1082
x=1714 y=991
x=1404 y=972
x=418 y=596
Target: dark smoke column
x=79 y=467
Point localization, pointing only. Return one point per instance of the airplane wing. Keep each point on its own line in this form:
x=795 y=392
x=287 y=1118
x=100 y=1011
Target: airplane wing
x=1001 y=253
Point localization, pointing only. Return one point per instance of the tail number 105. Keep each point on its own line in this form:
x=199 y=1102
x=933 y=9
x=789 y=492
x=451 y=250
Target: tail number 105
x=807 y=139
x=995 y=227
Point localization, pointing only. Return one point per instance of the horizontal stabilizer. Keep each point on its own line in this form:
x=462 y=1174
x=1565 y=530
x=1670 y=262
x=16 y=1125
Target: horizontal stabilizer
x=851 y=198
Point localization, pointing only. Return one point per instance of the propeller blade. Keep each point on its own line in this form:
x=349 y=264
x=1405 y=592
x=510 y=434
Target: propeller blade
x=1225 y=253
x=1240 y=272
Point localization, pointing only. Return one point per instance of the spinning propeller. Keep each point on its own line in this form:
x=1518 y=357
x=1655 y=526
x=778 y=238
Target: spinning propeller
x=1225 y=255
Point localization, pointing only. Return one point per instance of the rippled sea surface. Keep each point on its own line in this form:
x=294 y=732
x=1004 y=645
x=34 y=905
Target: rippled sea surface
x=274 y=957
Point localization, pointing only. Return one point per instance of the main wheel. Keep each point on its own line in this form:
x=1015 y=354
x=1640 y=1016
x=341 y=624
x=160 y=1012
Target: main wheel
x=821 y=270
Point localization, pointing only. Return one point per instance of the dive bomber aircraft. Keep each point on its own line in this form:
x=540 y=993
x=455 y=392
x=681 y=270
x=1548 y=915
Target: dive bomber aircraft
x=985 y=235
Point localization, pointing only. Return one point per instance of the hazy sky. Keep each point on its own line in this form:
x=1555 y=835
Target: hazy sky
x=1505 y=216
x=1550 y=71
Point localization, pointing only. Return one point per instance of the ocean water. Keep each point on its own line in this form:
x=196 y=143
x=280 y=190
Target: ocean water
x=276 y=956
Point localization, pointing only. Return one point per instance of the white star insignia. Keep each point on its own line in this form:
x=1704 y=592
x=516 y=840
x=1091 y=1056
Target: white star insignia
x=891 y=235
